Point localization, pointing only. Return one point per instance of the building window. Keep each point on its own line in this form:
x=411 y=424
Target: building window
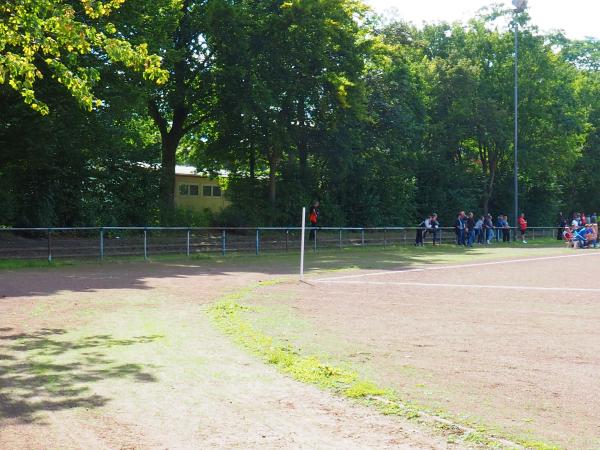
x=193 y=189
x=184 y=189
x=206 y=191
x=216 y=191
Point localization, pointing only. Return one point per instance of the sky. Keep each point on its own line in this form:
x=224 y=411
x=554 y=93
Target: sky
x=577 y=18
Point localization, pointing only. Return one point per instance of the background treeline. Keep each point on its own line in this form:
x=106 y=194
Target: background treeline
x=310 y=99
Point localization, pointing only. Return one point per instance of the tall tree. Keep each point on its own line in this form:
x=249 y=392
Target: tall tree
x=176 y=30
x=39 y=37
x=286 y=71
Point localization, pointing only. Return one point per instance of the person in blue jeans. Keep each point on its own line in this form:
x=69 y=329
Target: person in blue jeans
x=459 y=228
x=435 y=228
x=470 y=229
x=488 y=229
x=479 y=230
x=499 y=226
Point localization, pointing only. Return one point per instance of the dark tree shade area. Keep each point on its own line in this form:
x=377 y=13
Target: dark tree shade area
x=297 y=100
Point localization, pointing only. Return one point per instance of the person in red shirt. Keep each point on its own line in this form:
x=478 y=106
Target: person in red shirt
x=568 y=236
x=523 y=227
x=313 y=217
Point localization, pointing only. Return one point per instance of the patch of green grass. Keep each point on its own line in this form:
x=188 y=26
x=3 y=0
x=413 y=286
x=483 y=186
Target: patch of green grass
x=14 y=264
x=355 y=257
x=228 y=315
x=536 y=445
x=362 y=389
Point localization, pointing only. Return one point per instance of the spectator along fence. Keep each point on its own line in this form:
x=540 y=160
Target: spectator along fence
x=108 y=242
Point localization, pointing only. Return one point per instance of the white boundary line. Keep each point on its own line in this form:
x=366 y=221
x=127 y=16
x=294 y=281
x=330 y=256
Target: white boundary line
x=457 y=266
x=474 y=286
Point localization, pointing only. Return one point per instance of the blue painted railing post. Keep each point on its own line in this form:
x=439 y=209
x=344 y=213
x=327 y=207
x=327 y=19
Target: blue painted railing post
x=224 y=242
x=145 y=243
x=49 y=245
x=187 y=243
x=287 y=240
x=101 y=243
x=257 y=241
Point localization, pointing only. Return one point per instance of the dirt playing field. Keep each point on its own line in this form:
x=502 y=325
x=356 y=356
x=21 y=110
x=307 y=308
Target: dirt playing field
x=512 y=345
x=124 y=356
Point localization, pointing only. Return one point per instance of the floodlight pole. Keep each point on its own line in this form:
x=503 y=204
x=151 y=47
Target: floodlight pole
x=519 y=6
x=516 y=171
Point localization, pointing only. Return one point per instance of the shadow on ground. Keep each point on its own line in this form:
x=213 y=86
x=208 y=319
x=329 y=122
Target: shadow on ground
x=44 y=371
x=93 y=277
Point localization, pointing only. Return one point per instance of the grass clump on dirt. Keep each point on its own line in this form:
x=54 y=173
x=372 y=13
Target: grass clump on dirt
x=13 y=264
x=228 y=315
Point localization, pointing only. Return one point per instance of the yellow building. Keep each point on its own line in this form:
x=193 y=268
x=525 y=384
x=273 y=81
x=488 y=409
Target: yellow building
x=197 y=192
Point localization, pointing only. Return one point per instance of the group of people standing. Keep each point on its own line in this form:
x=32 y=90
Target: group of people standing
x=484 y=230
x=470 y=230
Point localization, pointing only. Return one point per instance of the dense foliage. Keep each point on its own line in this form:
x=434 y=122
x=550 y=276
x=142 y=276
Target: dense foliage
x=299 y=100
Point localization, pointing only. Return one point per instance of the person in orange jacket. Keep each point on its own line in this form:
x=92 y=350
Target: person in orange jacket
x=523 y=227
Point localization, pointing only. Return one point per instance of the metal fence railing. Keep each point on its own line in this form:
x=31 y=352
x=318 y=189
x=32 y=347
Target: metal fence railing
x=104 y=242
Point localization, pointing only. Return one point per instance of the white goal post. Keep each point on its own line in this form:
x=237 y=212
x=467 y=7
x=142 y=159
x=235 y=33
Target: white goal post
x=302 y=244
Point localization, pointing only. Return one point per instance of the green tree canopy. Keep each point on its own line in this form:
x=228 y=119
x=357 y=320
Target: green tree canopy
x=52 y=37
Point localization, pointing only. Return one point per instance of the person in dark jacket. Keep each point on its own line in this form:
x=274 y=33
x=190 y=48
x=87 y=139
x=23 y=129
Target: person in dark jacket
x=470 y=229
x=421 y=230
x=459 y=228
x=505 y=229
x=435 y=228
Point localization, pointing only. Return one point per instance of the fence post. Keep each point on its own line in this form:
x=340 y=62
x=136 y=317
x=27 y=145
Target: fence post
x=145 y=244
x=404 y=236
x=532 y=234
x=224 y=242
x=384 y=238
x=257 y=241
x=315 y=241
x=340 y=239
x=187 y=243
x=362 y=236
x=101 y=243
x=441 y=236
x=49 y=245
x=287 y=240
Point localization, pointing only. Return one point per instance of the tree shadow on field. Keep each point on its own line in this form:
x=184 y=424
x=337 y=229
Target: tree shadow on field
x=184 y=272
x=44 y=371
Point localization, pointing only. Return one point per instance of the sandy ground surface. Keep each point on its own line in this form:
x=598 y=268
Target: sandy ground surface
x=123 y=357
x=512 y=345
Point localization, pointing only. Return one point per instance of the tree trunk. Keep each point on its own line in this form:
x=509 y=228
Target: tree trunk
x=273 y=162
x=488 y=186
x=170 y=139
x=252 y=164
x=167 y=177
x=486 y=203
x=302 y=144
